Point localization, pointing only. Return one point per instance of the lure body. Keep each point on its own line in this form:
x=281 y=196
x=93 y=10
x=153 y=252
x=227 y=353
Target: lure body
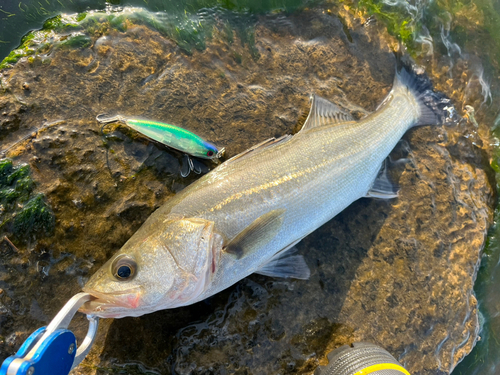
x=169 y=135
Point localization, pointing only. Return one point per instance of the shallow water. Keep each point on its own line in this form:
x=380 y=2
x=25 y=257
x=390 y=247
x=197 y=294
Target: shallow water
x=102 y=188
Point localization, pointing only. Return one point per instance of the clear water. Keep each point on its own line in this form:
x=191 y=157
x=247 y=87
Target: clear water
x=434 y=26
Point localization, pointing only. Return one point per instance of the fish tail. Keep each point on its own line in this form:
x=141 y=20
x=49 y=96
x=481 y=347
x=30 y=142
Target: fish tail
x=435 y=108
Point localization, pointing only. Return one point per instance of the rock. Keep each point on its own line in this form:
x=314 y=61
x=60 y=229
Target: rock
x=37 y=313
x=398 y=273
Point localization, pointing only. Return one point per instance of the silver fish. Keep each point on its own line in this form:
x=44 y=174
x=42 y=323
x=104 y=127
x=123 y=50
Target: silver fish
x=246 y=215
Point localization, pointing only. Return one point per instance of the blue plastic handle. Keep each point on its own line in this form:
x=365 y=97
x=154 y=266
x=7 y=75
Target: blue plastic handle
x=54 y=356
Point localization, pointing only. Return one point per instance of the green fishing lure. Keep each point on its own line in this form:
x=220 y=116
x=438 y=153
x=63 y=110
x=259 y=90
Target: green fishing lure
x=170 y=135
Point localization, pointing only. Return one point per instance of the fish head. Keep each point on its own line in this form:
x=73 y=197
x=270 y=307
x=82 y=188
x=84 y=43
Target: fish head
x=156 y=269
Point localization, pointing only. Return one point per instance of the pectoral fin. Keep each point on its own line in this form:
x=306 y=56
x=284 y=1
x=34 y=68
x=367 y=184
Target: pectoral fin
x=256 y=235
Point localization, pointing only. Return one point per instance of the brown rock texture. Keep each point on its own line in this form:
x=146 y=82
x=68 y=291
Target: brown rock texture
x=398 y=273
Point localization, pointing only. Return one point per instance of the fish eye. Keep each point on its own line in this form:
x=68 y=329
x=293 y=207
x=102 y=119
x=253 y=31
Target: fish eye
x=124 y=268
x=210 y=153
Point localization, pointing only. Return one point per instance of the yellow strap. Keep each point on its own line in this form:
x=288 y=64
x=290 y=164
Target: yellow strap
x=382 y=366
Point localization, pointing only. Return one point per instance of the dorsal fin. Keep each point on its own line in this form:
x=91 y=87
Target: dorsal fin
x=324 y=112
x=271 y=142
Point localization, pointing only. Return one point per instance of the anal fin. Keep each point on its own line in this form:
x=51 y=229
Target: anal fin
x=383 y=187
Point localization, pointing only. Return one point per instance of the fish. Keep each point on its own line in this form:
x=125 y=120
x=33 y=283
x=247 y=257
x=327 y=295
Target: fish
x=172 y=136
x=247 y=215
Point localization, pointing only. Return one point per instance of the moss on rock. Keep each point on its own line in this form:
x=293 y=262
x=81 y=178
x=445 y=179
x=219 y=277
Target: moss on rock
x=23 y=215
x=35 y=218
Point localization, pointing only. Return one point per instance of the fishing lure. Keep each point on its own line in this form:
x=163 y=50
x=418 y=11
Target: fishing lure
x=171 y=136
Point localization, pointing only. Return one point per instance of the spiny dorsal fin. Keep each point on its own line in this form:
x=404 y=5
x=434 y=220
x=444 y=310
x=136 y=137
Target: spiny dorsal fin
x=271 y=142
x=324 y=113
x=256 y=235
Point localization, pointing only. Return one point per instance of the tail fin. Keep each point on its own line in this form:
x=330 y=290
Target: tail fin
x=435 y=107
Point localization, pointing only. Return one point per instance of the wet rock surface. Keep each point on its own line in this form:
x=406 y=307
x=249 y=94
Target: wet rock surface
x=398 y=273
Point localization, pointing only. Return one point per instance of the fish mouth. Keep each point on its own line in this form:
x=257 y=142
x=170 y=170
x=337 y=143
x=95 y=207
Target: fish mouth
x=111 y=305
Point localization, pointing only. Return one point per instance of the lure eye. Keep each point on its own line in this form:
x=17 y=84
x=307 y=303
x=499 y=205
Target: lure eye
x=210 y=153
x=124 y=268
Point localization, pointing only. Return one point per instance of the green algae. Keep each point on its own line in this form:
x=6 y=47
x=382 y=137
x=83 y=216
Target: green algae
x=55 y=31
x=76 y=41
x=397 y=20
x=76 y=31
x=15 y=55
x=36 y=41
x=27 y=48
x=188 y=32
x=189 y=35
x=22 y=214
x=15 y=183
x=35 y=218
x=5 y=170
